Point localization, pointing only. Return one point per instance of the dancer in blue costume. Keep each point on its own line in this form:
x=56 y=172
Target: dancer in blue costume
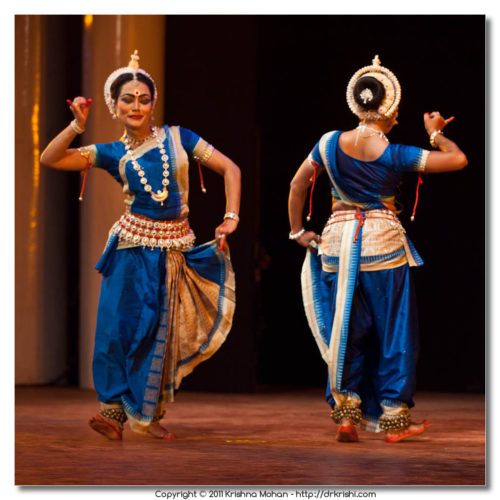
x=165 y=305
x=356 y=282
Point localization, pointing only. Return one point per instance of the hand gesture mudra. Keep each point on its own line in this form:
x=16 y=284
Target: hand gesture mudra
x=79 y=106
x=434 y=121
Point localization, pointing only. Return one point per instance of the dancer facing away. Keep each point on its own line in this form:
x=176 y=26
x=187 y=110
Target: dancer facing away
x=357 y=289
x=165 y=305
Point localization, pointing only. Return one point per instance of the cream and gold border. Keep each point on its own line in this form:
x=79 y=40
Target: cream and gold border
x=90 y=152
x=423 y=160
x=202 y=151
x=181 y=169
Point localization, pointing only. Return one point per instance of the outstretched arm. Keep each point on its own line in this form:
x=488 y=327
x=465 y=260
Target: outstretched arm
x=232 y=180
x=450 y=157
x=296 y=201
x=58 y=154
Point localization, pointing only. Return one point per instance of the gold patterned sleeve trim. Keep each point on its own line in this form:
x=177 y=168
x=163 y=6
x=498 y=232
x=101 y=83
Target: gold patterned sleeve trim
x=89 y=152
x=423 y=160
x=203 y=151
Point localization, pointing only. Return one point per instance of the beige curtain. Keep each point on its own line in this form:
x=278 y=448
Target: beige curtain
x=40 y=314
x=29 y=222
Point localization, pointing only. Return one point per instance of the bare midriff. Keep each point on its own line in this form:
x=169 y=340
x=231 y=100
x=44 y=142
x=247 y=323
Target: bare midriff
x=340 y=205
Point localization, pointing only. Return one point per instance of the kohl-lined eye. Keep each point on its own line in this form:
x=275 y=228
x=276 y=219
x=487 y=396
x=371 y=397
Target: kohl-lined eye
x=129 y=99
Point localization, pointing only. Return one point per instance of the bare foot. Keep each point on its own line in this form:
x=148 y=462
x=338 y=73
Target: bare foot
x=413 y=429
x=159 y=432
x=346 y=432
x=107 y=427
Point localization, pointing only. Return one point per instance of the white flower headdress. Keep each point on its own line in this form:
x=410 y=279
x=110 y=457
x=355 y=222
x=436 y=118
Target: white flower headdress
x=133 y=67
x=391 y=85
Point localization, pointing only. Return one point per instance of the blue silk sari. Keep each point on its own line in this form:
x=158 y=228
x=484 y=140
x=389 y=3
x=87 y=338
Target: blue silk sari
x=357 y=292
x=161 y=311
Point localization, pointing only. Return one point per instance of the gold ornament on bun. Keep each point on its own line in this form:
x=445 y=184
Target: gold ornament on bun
x=133 y=67
x=392 y=96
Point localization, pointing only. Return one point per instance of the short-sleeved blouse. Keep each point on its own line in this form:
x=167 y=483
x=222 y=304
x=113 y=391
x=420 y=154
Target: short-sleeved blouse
x=179 y=144
x=377 y=179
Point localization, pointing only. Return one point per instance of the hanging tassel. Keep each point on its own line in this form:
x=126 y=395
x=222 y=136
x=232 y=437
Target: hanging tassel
x=420 y=181
x=86 y=155
x=201 y=178
x=313 y=179
x=360 y=216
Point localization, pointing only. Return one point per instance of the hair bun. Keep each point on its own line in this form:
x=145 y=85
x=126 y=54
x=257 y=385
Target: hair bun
x=373 y=92
x=369 y=93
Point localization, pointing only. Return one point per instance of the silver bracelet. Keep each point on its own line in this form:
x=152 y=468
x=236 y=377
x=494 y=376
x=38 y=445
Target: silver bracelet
x=232 y=215
x=432 y=137
x=76 y=127
x=296 y=235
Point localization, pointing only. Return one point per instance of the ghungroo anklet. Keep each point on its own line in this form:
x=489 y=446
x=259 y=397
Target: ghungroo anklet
x=117 y=414
x=157 y=418
x=342 y=412
x=394 y=422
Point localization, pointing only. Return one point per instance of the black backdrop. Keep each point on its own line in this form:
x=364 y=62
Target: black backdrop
x=440 y=64
x=298 y=71
x=263 y=89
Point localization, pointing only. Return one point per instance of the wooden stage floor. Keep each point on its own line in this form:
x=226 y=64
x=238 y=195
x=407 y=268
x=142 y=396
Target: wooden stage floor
x=272 y=438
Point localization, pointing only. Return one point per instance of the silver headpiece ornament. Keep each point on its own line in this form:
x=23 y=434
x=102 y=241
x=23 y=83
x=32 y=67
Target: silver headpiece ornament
x=392 y=97
x=133 y=67
x=366 y=95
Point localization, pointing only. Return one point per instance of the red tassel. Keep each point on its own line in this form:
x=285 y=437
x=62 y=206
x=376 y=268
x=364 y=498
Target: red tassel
x=308 y=218
x=84 y=176
x=420 y=181
x=201 y=178
x=360 y=216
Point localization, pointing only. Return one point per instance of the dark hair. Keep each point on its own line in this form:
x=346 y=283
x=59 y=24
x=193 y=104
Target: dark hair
x=376 y=88
x=127 y=77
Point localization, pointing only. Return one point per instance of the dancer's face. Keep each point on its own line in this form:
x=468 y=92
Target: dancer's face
x=134 y=105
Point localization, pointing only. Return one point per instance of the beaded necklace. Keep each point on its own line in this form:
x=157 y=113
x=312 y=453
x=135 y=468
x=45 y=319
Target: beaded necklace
x=132 y=141
x=161 y=195
x=377 y=132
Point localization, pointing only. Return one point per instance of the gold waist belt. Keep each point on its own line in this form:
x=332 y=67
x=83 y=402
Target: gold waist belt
x=137 y=230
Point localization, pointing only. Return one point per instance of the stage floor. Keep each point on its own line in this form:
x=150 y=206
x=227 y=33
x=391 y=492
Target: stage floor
x=274 y=438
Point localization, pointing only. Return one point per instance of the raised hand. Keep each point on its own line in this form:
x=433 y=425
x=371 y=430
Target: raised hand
x=434 y=121
x=80 y=106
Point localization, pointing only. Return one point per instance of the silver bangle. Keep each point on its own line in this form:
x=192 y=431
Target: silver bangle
x=297 y=235
x=76 y=127
x=432 y=137
x=232 y=215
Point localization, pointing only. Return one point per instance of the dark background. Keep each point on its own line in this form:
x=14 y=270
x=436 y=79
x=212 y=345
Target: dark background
x=263 y=89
